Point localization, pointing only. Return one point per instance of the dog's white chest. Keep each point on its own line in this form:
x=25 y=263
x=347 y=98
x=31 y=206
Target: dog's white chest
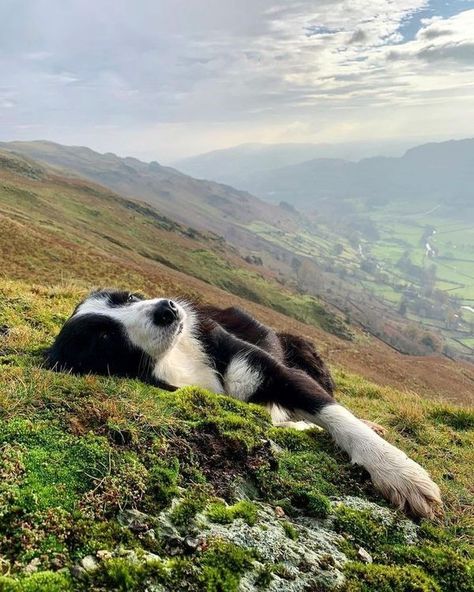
x=187 y=364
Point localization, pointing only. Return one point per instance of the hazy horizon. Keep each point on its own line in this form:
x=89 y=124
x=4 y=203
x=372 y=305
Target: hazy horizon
x=170 y=79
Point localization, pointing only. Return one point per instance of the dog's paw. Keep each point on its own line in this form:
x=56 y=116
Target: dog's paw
x=378 y=429
x=406 y=484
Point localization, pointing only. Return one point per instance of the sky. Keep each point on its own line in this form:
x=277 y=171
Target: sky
x=164 y=79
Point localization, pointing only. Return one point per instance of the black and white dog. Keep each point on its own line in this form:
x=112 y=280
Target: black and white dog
x=170 y=344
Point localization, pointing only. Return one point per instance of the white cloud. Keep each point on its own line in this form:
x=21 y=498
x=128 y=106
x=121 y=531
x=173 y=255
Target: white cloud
x=199 y=74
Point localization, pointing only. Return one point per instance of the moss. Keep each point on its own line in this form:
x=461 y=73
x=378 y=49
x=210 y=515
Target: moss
x=311 y=501
x=186 y=509
x=122 y=574
x=90 y=536
x=57 y=467
x=364 y=529
x=301 y=482
x=45 y=581
x=290 y=530
x=381 y=578
x=431 y=532
x=445 y=565
x=291 y=439
x=264 y=577
x=162 y=484
x=182 y=574
x=9 y=585
x=223 y=514
x=123 y=486
x=222 y=567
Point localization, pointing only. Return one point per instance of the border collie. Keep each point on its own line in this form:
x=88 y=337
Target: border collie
x=171 y=343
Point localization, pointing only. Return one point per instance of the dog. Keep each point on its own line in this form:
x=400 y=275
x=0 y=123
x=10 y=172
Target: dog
x=174 y=343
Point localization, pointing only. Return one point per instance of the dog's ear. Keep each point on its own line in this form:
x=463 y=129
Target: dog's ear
x=97 y=344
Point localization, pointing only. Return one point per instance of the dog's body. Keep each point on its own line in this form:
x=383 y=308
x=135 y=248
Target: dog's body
x=173 y=344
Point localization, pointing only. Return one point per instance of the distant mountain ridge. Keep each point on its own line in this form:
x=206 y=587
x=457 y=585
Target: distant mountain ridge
x=429 y=173
x=232 y=165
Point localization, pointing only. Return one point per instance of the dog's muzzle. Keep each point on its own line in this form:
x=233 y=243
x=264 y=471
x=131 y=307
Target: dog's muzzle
x=165 y=313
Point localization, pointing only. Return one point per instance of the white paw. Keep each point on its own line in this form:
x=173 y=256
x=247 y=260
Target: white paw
x=301 y=426
x=405 y=484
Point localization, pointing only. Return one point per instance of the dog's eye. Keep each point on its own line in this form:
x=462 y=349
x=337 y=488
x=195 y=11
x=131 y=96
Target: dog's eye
x=132 y=298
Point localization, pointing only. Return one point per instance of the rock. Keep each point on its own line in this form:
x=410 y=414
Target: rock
x=386 y=516
x=150 y=557
x=275 y=448
x=78 y=572
x=89 y=563
x=304 y=560
x=134 y=520
x=364 y=555
x=192 y=542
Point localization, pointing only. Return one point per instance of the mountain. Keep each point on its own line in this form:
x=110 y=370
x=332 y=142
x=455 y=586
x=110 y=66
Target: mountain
x=365 y=255
x=436 y=173
x=108 y=484
x=46 y=217
x=234 y=165
x=200 y=204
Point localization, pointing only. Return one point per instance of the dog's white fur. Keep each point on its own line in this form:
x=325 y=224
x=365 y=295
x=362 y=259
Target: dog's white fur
x=241 y=379
x=398 y=477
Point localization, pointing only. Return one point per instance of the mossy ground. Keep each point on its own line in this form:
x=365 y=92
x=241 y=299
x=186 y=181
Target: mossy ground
x=80 y=455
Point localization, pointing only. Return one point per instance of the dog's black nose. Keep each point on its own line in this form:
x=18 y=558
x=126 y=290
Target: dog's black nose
x=165 y=313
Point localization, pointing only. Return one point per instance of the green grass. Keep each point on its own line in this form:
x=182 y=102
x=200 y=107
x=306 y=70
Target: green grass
x=78 y=453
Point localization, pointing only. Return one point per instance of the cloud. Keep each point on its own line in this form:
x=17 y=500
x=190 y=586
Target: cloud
x=358 y=36
x=449 y=40
x=101 y=72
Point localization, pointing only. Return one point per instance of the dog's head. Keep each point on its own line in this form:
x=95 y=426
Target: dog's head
x=118 y=333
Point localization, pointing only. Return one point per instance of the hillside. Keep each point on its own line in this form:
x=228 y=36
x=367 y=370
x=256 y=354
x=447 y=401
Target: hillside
x=110 y=484
x=200 y=204
x=59 y=229
x=366 y=256
x=114 y=485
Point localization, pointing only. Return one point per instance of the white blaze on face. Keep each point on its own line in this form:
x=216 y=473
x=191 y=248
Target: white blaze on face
x=137 y=320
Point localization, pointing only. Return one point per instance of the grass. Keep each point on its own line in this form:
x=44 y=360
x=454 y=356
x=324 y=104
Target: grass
x=78 y=453
x=400 y=230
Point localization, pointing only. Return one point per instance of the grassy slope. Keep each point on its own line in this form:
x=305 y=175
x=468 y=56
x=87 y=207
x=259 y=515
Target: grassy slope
x=57 y=229
x=200 y=203
x=246 y=221
x=46 y=218
x=79 y=455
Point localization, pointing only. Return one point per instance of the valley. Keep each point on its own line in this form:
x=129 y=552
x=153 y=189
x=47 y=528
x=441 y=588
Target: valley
x=106 y=483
